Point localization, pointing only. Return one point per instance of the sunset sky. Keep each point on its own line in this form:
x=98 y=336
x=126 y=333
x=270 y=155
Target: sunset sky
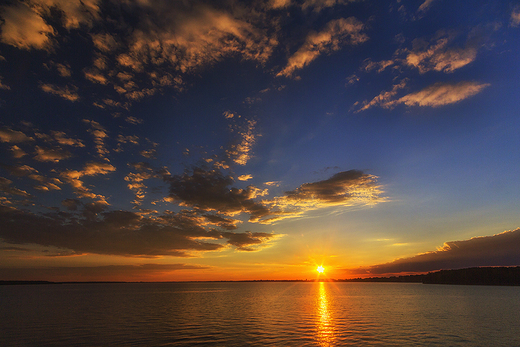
x=155 y=140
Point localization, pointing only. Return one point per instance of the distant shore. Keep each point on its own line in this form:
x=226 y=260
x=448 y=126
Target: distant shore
x=497 y=276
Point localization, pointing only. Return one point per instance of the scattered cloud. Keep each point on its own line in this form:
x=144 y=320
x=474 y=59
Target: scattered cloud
x=336 y=34
x=379 y=66
x=208 y=190
x=240 y=153
x=133 y=120
x=5 y=187
x=438 y=55
x=73 y=177
x=384 y=99
x=318 y=5
x=51 y=154
x=24 y=28
x=67 y=92
x=149 y=153
x=100 y=134
x=245 y=177
x=515 y=16
x=441 y=94
x=120 y=233
x=347 y=188
x=64 y=70
x=17 y=152
x=248 y=240
x=425 y=6
x=436 y=95
x=13 y=136
x=2 y=85
x=497 y=250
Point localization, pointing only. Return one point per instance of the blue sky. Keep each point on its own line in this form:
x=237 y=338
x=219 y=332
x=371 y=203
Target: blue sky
x=170 y=140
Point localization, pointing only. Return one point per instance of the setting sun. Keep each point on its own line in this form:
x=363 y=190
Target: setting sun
x=320 y=269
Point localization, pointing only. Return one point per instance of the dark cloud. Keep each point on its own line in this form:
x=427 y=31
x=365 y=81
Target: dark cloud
x=124 y=233
x=6 y=187
x=71 y=204
x=497 y=250
x=245 y=241
x=13 y=136
x=333 y=190
x=209 y=190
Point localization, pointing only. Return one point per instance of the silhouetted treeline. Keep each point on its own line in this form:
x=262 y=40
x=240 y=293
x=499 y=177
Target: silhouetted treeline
x=25 y=282
x=497 y=276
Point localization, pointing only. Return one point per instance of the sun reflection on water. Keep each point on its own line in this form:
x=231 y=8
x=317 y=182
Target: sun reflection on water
x=324 y=322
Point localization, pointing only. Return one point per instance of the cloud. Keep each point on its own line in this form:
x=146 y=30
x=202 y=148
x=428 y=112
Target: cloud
x=240 y=153
x=71 y=204
x=50 y=154
x=67 y=92
x=439 y=54
x=63 y=139
x=44 y=183
x=245 y=177
x=334 y=36
x=19 y=170
x=2 y=85
x=17 y=152
x=149 y=153
x=347 y=188
x=515 y=16
x=13 y=136
x=136 y=180
x=171 y=39
x=380 y=66
x=425 y=6
x=209 y=190
x=100 y=134
x=385 y=98
x=497 y=250
x=436 y=95
x=5 y=187
x=123 y=233
x=73 y=177
x=246 y=241
x=24 y=28
x=440 y=94
x=318 y=5
x=133 y=120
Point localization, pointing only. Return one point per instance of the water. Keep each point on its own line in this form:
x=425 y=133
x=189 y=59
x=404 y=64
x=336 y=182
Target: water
x=259 y=314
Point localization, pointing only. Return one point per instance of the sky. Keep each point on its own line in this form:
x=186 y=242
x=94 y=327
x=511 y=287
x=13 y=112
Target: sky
x=155 y=140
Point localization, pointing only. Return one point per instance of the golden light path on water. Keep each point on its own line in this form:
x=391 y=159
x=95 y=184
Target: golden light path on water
x=324 y=318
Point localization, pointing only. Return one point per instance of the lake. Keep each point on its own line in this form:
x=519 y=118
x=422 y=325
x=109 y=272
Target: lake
x=259 y=314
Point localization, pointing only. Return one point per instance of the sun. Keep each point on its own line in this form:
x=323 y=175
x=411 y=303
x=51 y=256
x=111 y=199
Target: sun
x=320 y=269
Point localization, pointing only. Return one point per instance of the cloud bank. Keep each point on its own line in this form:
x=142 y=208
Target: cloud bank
x=497 y=250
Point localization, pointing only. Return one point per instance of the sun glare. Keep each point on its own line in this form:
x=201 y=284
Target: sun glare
x=320 y=269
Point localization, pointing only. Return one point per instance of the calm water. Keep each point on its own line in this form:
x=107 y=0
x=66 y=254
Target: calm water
x=259 y=314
